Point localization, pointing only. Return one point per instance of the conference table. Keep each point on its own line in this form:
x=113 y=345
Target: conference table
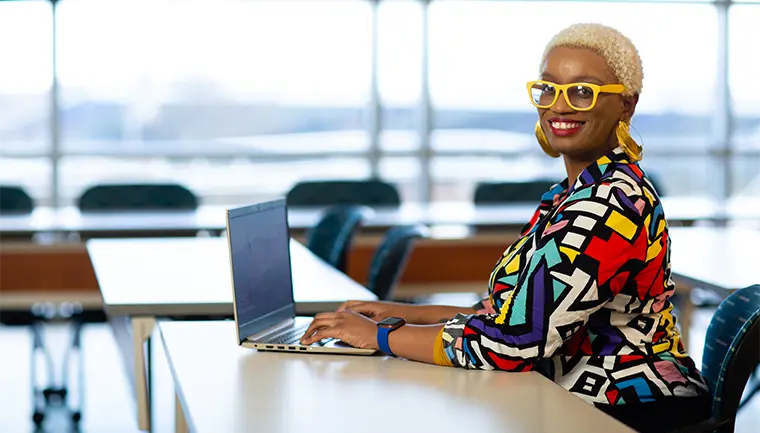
x=221 y=387
x=211 y=218
x=144 y=280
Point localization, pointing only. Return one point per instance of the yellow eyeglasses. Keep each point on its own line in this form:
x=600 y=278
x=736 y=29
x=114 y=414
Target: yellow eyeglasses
x=579 y=96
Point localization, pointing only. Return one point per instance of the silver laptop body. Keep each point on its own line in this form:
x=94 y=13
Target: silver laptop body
x=258 y=240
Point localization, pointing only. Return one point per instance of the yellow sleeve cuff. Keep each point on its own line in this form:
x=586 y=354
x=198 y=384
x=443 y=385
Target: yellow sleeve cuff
x=439 y=354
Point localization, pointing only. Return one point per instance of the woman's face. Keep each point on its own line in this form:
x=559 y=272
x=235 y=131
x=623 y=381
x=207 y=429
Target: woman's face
x=582 y=135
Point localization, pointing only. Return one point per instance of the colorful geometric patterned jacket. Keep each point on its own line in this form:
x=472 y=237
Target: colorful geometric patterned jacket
x=583 y=295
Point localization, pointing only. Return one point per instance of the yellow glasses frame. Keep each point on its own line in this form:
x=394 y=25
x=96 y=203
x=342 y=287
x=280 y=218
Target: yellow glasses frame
x=562 y=88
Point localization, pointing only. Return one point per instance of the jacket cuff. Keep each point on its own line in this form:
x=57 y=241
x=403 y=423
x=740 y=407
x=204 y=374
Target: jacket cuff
x=452 y=336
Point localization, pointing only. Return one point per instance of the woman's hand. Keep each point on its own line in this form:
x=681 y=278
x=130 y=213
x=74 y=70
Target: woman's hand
x=413 y=314
x=347 y=326
x=379 y=311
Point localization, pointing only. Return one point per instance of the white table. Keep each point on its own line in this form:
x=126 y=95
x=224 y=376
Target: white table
x=224 y=388
x=717 y=258
x=145 y=279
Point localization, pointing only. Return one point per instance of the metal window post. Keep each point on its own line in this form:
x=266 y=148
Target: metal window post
x=425 y=112
x=374 y=110
x=55 y=136
x=723 y=116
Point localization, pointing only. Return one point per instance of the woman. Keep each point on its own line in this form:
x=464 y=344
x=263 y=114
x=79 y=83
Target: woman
x=583 y=295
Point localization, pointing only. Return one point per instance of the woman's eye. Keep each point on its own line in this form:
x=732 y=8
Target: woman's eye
x=584 y=92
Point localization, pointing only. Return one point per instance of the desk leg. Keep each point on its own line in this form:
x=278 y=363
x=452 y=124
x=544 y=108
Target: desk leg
x=687 y=311
x=142 y=328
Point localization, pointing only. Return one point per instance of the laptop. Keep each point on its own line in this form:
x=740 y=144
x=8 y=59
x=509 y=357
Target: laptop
x=258 y=239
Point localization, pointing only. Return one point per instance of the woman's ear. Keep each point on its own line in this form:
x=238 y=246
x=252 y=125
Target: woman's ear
x=629 y=107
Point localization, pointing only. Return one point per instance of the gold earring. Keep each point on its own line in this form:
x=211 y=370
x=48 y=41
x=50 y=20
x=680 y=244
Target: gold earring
x=629 y=145
x=544 y=142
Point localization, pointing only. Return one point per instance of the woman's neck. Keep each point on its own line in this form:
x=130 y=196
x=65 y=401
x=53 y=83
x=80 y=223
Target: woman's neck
x=575 y=165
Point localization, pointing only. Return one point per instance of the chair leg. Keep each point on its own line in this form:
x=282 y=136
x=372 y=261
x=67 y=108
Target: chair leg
x=75 y=387
x=38 y=393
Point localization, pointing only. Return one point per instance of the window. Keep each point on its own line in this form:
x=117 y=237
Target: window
x=206 y=84
x=745 y=177
x=25 y=79
x=743 y=66
x=456 y=176
x=400 y=53
x=483 y=52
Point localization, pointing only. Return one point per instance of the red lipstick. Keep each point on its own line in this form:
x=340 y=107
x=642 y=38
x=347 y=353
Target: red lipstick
x=563 y=127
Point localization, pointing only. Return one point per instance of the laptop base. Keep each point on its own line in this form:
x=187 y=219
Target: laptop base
x=266 y=341
x=333 y=347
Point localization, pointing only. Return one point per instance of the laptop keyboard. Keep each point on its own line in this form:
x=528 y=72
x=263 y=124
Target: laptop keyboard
x=291 y=337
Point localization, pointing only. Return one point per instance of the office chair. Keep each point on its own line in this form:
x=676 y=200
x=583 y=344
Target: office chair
x=134 y=197
x=333 y=235
x=511 y=192
x=370 y=192
x=390 y=259
x=15 y=200
x=731 y=354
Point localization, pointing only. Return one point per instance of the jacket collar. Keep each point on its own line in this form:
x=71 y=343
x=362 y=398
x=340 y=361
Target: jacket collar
x=593 y=173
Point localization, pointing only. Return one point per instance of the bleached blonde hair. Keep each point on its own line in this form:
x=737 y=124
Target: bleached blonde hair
x=614 y=47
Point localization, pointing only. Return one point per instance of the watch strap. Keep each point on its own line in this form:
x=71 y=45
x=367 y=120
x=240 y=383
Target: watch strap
x=382 y=340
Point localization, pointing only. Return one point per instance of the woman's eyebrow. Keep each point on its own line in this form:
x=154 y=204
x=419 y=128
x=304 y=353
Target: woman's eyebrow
x=588 y=79
x=578 y=79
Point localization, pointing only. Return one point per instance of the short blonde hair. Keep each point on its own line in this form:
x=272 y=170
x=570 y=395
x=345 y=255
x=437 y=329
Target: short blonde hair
x=614 y=47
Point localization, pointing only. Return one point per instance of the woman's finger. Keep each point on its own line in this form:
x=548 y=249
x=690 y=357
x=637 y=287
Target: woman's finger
x=350 y=305
x=316 y=324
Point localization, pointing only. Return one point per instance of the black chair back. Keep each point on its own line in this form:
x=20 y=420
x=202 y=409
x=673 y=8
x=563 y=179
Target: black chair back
x=371 y=192
x=15 y=200
x=511 y=192
x=333 y=235
x=137 y=197
x=390 y=259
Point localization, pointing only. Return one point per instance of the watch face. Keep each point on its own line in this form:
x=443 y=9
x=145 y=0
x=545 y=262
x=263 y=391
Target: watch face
x=392 y=322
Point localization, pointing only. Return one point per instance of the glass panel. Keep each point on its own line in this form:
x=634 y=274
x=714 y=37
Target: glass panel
x=26 y=49
x=455 y=177
x=743 y=75
x=745 y=177
x=693 y=176
x=214 y=77
x=405 y=172
x=400 y=54
x=236 y=181
x=31 y=174
x=480 y=60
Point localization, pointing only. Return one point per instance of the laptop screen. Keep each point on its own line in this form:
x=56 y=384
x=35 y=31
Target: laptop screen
x=259 y=242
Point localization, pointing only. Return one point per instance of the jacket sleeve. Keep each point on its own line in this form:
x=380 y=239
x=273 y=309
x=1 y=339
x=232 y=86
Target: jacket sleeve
x=578 y=260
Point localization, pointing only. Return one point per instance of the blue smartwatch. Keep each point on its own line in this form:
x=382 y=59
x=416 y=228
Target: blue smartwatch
x=384 y=328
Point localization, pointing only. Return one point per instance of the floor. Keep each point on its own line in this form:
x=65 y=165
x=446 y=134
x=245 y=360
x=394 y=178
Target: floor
x=108 y=405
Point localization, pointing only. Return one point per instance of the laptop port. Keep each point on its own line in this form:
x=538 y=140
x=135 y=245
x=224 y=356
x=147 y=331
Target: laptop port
x=281 y=347
x=291 y=348
x=270 y=347
x=302 y=348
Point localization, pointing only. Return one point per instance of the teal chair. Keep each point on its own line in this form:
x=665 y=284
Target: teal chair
x=390 y=259
x=318 y=193
x=15 y=200
x=137 y=197
x=731 y=355
x=487 y=193
x=333 y=235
